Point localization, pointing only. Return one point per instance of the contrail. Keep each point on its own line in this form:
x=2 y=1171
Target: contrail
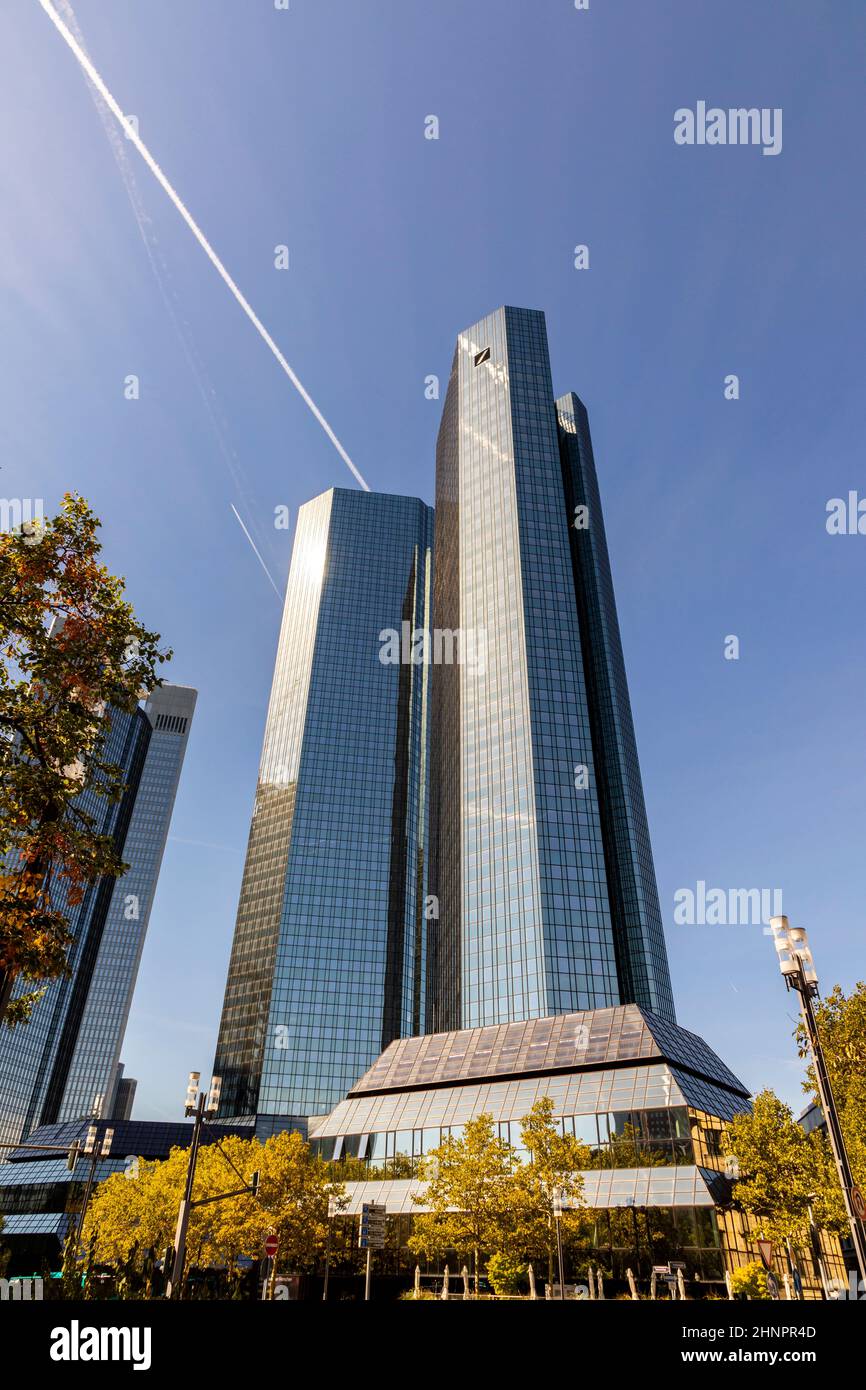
x=258 y=556
x=159 y=266
x=73 y=44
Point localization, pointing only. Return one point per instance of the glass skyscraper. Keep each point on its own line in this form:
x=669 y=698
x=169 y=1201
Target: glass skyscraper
x=328 y=963
x=540 y=855
x=453 y=843
x=54 y=1067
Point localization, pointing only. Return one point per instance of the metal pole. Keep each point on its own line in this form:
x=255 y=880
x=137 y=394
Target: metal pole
x=367 y=1280
x=559 y=1255
x=87 y=1192
x=815 y=1250
x=174 y=1289
x=327 y=1260
x=834 y=1129
x=272 y=1281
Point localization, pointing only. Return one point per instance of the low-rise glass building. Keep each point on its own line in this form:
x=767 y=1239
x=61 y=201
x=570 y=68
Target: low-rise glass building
x=648 y=1098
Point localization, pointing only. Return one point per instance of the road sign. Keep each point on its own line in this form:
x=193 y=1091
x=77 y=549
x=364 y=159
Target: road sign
x=773 y=1285
x=858 y=1202
x=765 y=1250
x=372 y=1230
x=798 y=1282
x=272 y=1245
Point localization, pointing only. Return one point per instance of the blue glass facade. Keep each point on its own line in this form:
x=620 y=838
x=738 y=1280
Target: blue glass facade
x=328 y=963
x=100 y=1027
x=54 y=1067
x=636 y=916
x=540 y=859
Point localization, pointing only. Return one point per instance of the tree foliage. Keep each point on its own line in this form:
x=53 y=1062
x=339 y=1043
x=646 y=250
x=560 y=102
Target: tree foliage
x=750 y=1281
x=506 y=1272
x=783 y=1171
x=294 y=1188
x=468 y=1186
x=554 y=1166
x=480 y=1197
x=841 y=1022
x=70 y=648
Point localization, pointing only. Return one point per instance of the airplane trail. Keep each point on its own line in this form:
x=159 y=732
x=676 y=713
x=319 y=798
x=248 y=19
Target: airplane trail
x=159 y=266
x=255 y=548
x=87 y=66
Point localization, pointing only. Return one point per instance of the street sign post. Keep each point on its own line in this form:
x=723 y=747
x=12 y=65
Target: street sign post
x=271 y=1246
x=371 y=1236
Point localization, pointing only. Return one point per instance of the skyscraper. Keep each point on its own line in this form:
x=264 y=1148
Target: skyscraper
x=540 y=855
x=328 y=962
x=54 y=1067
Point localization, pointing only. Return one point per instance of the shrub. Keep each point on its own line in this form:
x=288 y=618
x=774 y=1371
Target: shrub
x=505 y=1273
x=750 y=1281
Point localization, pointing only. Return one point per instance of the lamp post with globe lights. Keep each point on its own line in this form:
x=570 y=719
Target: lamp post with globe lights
x=798 y=971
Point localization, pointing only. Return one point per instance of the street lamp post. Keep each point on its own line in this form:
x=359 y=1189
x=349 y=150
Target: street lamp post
x=193 y=1105
x=95 y=1149
x=798 y=969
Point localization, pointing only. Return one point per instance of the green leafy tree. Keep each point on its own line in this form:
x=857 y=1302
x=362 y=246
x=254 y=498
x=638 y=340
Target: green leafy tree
x=469 y=1194
x=554 y=1165
x=70 y=647
x=783 y=1170
x=506 y=1272
x=841 y=1022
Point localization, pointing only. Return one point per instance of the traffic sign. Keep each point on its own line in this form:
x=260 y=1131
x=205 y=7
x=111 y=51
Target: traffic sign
x=272 y=1245
x=765 y=1250
x=371 y=1235
x=858 y=1202
x=773 y=1285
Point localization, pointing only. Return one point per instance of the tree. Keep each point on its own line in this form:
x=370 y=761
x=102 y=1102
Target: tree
x=469 y=1186
x=505 y=1272
x=70 y=648
x=554 y=1165
x=841 y=1023
x=782 y=1170
x=295 y=1190
x=292 y=1202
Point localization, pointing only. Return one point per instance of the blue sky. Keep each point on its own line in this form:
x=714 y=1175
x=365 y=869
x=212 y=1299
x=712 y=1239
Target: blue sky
x=306 y=128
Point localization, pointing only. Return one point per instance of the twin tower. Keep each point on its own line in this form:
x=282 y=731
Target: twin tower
x=449 y=828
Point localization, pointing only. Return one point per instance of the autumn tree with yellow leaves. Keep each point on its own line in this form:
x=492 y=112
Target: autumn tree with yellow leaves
x=140 y=1212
